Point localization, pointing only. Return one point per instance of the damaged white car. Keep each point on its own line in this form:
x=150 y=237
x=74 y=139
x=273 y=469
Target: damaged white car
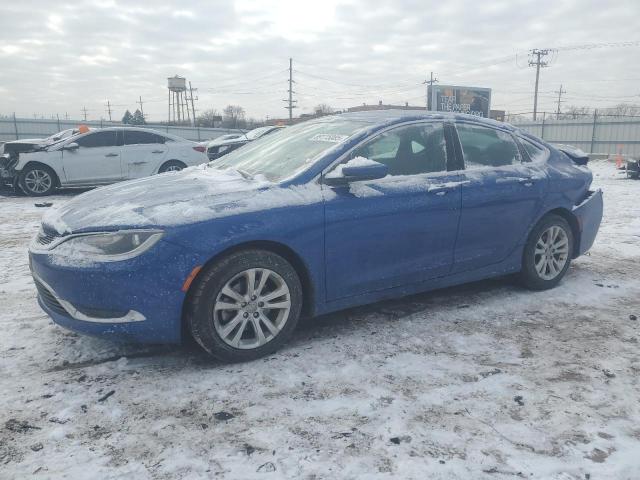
x=97 y=157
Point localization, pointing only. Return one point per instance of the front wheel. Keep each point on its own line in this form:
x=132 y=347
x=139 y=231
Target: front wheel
x=547 y=254
x=245 y=306
x=172 y=166
x=37 y=180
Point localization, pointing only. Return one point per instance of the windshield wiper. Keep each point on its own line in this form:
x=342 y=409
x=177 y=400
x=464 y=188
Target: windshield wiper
x=246 y=175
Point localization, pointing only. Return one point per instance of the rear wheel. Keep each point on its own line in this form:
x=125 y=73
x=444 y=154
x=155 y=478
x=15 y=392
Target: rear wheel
x=547 y=254
x=245 y=306
x=38 y=180
x=172 y=166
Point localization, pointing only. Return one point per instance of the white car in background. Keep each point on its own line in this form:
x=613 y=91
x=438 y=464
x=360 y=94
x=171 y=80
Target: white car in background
x=98 y=157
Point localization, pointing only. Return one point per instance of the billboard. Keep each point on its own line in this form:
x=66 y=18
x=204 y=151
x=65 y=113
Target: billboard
x=452 y=98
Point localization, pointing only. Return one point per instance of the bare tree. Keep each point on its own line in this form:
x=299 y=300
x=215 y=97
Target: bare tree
x=622 y=109
x=233 y=116
x=573 y=112
x=208 y=118
x=323 y=109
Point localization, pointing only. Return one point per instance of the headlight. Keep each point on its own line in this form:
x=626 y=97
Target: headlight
x=108 y=247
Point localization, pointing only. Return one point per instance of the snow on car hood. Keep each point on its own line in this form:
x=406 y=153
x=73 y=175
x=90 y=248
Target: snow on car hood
x=192 y=195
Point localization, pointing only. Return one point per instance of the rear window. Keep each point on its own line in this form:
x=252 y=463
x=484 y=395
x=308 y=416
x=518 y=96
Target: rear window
x=535 y=153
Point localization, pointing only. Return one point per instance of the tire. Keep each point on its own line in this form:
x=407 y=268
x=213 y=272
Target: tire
x=38 y=180
x=171 y=166
x=554 y=257
x=211 y=323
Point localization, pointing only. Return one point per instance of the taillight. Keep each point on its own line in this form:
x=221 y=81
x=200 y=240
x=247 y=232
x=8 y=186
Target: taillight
x=200 y=148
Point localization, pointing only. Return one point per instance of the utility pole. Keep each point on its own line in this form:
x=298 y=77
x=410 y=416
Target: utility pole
x=291 y=101
x=430 y=83
x=539 y=63
x=139 y=102
x=559 y=92
x=84 y=111
x=193 y=109
x=109 y=109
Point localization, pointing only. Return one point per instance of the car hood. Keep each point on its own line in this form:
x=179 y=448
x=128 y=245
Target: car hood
x=192 y=195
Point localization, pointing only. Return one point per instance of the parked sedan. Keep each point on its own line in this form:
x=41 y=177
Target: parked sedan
x=228 y=143
x=329 y=214
x=98 y=157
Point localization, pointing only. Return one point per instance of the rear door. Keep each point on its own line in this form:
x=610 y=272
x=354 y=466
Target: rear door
x=501 y=195
x=95 y=161
x=398 y=230
x=143 y=153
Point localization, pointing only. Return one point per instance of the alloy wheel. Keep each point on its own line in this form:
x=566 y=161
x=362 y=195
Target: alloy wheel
x=38 y=181
x=551 y=252
x=173 y=168
x=252 y=308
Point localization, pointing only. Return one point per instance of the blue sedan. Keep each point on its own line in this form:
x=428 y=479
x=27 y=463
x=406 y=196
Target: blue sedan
x=328 y=214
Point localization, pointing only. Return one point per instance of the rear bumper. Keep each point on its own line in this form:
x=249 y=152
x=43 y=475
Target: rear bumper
x=589 y=216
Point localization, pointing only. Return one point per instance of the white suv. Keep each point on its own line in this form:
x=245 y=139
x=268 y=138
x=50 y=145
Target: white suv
x=99 y=157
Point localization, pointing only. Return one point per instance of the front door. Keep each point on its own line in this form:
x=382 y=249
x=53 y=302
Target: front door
x=143 y=153
x=397 y=230
x=95 y=161
x=500 y=196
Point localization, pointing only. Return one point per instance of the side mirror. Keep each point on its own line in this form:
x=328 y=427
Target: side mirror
x=71 y=146
x=355 y=170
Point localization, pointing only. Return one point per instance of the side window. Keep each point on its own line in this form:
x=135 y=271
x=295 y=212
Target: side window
x=486 y=147
x=98 y=139
x=409 y=150
x=136 y=137
x=536 y=154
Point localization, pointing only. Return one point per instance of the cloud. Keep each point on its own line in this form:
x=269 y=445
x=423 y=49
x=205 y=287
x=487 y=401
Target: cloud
x=345 y=52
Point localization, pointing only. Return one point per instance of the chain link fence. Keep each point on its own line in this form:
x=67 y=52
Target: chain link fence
x=13 y=128
x=596 y=134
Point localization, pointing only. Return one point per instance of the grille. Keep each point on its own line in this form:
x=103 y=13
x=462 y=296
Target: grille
x=49 y=300
x=44 y=238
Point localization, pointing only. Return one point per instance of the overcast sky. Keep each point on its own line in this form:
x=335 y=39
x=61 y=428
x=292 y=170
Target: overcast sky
x=81 y=53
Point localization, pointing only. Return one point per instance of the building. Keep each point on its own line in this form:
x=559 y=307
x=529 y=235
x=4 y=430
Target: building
x=380 y=106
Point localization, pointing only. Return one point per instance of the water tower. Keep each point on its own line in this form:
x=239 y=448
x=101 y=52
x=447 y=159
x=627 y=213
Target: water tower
x=178 y=100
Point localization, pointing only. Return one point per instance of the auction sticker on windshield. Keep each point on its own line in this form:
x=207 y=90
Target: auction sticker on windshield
x=328 y=137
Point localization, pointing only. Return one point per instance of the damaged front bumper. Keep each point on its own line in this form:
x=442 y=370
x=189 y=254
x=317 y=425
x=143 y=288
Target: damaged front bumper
x=8 y=173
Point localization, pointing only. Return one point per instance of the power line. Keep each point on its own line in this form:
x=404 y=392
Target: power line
x=140 y=103
x=539 y=63
x=291 y=101
x=193 y=108
x=108 y=105
x=559 y=92
x=429 y=87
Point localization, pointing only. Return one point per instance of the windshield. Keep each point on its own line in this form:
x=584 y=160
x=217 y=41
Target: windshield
x=284 y=153
x=60 y=135
x=257 y=132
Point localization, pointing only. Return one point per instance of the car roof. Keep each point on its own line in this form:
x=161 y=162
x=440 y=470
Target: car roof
x=393 y=116
x=139 y=129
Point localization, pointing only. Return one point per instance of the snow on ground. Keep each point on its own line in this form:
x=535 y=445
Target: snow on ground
x=481 y=381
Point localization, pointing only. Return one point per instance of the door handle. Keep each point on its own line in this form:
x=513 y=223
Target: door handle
x=527 y=182
x=158 y=151
x=111 y=155
x=439 y=190
x=138 y=163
